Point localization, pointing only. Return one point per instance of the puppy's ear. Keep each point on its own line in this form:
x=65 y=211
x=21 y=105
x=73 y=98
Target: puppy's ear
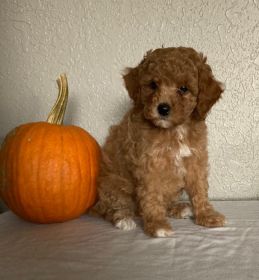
x=131 y=79
x=210 y=90
x=132 y=84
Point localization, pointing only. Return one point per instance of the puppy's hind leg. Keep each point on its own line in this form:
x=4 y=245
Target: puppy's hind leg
x=181 y=210
x=115 y=202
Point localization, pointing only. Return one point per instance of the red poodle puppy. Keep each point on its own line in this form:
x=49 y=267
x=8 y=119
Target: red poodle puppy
x=159 y=149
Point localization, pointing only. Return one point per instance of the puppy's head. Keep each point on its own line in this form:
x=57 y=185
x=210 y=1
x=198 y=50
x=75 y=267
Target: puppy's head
x=172 y=85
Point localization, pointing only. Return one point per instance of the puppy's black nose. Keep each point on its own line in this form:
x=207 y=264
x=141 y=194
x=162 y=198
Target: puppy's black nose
x=163 y=109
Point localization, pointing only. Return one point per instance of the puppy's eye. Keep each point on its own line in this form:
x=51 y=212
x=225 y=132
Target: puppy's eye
x=153 y=85
x=183 y=90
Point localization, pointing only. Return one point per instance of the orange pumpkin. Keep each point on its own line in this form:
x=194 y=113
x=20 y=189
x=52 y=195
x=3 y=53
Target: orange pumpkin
x=48 y=171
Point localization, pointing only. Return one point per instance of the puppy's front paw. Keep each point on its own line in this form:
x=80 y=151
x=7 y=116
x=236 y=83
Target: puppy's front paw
x=210 y=218
x=158 y=229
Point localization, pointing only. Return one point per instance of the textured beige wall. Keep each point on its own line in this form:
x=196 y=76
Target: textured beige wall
x=92 y=41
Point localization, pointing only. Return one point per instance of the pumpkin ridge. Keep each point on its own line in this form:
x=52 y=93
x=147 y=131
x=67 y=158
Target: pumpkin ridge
x=92 y=172
x=63 y=196
x=60 y=200
x=90 y=175
x=68 y=211
x=18 y=162
x=79 y=166
x=39 y=187
x=96 y=159
x=5 y=154
x=8 y=166
x=85 y=181
x=91 y=151
x=29 y=136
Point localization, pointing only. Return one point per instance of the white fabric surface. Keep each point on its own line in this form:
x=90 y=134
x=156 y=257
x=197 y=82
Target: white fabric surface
x=90 y=248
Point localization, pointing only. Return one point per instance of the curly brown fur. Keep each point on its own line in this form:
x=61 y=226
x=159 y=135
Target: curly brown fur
x=159 y=148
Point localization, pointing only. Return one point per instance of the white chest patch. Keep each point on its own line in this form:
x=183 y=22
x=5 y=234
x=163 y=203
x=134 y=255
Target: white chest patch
x=183 y=151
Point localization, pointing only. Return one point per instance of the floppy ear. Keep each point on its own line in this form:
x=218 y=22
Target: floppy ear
x=131 y=80
x=210 y=91
x=131 y=83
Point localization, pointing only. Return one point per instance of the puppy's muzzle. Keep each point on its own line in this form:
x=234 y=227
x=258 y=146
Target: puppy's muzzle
x=163 y=109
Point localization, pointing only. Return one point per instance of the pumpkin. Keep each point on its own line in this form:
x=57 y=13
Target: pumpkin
x=48 y=171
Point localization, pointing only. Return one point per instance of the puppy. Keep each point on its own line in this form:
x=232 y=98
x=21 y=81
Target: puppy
x=159 y=149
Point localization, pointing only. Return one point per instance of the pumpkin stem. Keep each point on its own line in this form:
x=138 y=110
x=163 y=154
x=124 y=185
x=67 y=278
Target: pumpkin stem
x=56 y=116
